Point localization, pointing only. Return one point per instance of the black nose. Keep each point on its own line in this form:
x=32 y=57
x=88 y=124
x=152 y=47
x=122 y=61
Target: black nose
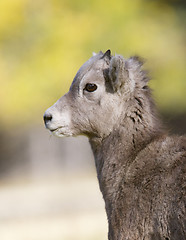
x=47 y=118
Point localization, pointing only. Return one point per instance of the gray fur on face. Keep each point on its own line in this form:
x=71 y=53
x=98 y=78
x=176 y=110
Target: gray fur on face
x=141 y=170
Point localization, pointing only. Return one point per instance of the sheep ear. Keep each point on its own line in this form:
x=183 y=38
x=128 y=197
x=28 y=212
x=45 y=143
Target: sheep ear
x=118 y=73
x=107 y=54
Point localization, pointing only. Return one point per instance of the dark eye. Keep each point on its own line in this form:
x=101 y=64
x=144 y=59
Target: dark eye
x=90 y=87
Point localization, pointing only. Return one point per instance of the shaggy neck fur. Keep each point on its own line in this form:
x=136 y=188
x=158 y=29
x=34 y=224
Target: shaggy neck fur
x=115 y=154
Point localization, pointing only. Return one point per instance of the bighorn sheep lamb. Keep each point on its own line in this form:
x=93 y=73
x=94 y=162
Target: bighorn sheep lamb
x=141 y=170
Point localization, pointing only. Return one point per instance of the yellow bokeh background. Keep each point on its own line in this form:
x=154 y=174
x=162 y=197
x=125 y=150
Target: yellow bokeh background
x=48 y=185
x=44 y=42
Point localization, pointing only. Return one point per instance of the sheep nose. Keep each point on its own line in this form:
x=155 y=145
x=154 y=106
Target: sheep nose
x=47 y=118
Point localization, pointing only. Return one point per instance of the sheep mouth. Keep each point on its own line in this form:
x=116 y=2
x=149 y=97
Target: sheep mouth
x=60 y=131
x=56 y=129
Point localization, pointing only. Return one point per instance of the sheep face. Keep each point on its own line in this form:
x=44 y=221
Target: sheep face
x=94 y=104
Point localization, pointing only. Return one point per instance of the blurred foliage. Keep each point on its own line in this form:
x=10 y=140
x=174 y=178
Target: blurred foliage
x=44 y=42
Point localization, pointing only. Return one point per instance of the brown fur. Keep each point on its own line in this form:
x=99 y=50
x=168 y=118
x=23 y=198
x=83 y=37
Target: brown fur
x=141 y=170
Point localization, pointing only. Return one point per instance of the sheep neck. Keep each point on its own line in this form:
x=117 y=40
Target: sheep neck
x=113 y=156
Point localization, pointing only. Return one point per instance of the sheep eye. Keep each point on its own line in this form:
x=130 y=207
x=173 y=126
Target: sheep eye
x=90 y=87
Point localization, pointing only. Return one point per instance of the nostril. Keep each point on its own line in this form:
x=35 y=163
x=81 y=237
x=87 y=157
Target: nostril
x=47 y=117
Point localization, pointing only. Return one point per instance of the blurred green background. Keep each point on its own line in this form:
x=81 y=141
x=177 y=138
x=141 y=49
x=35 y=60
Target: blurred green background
x=42 y=45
